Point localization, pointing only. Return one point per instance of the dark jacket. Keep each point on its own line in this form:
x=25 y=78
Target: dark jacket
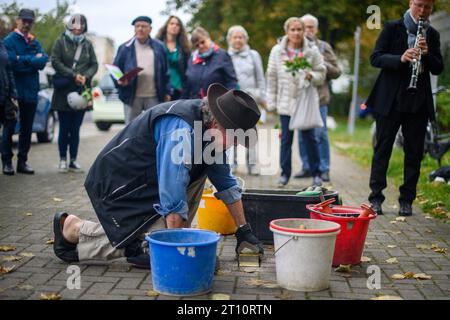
x=63 y=54
x=25 y=65
x=394 y=78
x=7 y=83
x=126 y=60
x=123 y=184
x=218 y=68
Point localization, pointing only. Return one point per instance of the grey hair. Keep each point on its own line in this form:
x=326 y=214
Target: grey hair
x=311 y=17
x=292 y=20
x=207 y=115
x=234 y=29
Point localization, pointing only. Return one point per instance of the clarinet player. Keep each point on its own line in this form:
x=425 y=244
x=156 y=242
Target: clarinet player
x=395 y=53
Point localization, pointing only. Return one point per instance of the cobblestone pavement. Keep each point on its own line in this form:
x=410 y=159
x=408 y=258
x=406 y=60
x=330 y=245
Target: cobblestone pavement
x=27 y=205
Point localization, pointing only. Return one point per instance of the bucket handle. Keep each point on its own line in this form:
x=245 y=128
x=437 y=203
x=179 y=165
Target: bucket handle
x=292 y=238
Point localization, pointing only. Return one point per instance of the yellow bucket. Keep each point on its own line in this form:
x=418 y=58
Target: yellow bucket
x=213 y=215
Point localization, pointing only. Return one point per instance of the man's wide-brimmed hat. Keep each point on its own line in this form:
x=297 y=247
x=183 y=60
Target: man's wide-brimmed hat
x=233 y=109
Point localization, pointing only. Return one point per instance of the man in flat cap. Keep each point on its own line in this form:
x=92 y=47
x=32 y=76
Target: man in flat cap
x=143 y=181
x=26 y=58
x=152 y=85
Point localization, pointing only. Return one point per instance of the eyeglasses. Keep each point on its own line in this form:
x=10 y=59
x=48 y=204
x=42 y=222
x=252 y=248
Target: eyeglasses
x=423 y=6
x=200 y=43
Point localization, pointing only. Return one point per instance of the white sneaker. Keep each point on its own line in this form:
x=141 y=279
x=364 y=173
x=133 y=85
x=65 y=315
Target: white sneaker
x=75 y=166
x=63 y=166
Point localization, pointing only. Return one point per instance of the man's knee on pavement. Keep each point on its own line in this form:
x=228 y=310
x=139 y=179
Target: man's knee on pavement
x=71 y=228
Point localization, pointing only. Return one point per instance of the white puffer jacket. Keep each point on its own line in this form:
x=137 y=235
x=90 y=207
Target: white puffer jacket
x=282 y=86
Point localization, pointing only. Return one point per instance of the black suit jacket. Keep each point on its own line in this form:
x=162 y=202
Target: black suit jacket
x=395 y=75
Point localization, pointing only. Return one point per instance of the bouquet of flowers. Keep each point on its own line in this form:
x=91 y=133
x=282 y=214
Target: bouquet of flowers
x=297 y=63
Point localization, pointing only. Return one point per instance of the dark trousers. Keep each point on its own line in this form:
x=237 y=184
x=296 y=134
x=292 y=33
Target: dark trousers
x=27 y=111
x=310 y=139
x=413 y=129
x=69 y=133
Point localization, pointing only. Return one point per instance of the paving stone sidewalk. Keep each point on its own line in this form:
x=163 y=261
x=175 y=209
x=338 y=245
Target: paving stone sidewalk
x=27 y=205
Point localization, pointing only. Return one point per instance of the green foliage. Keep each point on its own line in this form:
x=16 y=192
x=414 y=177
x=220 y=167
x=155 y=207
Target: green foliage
x=443 y=111
x=48 y=26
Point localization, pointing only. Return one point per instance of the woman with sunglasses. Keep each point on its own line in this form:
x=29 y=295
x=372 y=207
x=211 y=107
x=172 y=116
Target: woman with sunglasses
x=208 y=64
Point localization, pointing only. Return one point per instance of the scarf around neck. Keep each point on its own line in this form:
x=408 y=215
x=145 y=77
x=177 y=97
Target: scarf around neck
x=74 y=38
x=202 y=57
x=411 y=27
x=28 y=38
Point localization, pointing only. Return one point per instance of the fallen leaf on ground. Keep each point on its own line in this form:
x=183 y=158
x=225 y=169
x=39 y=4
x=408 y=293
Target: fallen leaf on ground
x=398 y=276
x=152 y=293
x=264 y=283
x=220 y=296
x=392 y=246
x=5 y=270
x=4 y=248
x=409 y=275
x=392 y=261
x=284 y=296
x=58 y=200
x=344 y=268
x=422 y=276
x=393 y=222
x=28 y=214
x=365 y=259
x=400 y=219
x=26 y=254
x=441 y=250
x=424 y=202
x=26 y=287
x=428 y=231
x=50 y=241
x=11 y=258
x=387 y=298
x=50 y=296
x=428 y=217
x=423 y=247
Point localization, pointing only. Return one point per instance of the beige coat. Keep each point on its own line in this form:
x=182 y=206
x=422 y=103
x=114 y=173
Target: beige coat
x=282 y=86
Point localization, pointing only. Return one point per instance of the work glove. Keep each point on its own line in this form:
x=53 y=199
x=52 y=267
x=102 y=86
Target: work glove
x=247 y=240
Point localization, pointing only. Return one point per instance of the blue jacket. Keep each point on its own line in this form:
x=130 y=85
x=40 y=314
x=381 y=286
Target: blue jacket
x=25 y=65
x=126 y=60
x=7 y=84
x=218 y=68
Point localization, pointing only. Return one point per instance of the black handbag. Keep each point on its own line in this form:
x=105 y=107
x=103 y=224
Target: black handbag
x=61 y=82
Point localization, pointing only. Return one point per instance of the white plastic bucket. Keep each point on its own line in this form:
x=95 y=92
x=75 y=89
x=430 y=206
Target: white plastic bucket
x=303 y=258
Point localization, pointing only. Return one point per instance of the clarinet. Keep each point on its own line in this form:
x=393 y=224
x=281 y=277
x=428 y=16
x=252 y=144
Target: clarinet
x=416 y=63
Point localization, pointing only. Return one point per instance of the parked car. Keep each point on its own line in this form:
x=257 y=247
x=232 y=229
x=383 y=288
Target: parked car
x=45 y=120
x=108 y=109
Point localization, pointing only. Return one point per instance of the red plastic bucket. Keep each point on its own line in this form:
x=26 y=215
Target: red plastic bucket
x=350 y=242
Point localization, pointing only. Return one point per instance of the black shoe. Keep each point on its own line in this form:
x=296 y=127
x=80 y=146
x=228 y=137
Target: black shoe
x=283 y=181
x=303 y=174
x=63 y=249
x=22 y=167
x=325 y=177
x=140 y=261
x=405 y=209
x=376 y=206
x=8 y=169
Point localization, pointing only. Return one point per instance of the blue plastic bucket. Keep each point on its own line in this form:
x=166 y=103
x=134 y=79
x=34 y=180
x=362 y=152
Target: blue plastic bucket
x=183 y=261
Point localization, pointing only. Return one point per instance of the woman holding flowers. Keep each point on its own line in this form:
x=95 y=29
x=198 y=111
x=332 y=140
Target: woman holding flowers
x=294 y=64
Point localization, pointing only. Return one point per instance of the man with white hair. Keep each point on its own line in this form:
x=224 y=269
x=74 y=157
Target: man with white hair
x=333 y=72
